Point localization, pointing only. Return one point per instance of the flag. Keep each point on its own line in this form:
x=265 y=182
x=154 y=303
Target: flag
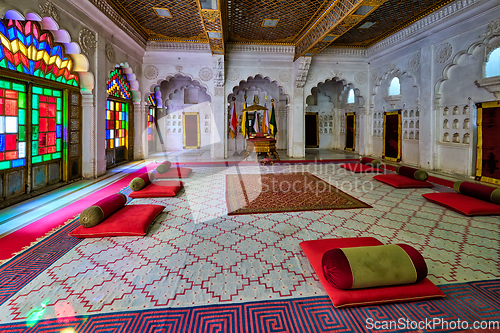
x=256 y=123
x=265 y=122
x=234 y=122
x=272 y=122
x=244 y=122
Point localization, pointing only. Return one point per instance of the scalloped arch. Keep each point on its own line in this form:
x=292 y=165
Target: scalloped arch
x=389 y=75
x=281 y=89
x=132 y=79
x=454 y=61
x=81 y=63
x=181 y=75
x=203 y=89
x=344 y=91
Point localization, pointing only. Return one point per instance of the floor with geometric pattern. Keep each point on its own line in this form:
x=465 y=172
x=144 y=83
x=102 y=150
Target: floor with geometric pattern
x=196 y=255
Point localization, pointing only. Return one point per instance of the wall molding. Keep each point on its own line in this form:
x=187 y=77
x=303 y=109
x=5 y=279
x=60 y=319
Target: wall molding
x=260 y=48
x=159 y=46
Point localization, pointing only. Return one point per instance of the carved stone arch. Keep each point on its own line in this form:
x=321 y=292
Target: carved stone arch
x=490 y=39
x=346 y=86
x=385 y=80
x=281 y=88
x=181 y=75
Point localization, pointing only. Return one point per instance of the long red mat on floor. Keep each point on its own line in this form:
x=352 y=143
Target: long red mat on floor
x=284 y=192
x=17 y=240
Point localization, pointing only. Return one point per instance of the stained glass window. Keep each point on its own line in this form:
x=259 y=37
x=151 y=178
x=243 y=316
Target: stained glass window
x=47 y=125
x=118 y=85
x=151 y=117
x=12 y=125
x=28 y=49
x=151 y=124
x=116 y=124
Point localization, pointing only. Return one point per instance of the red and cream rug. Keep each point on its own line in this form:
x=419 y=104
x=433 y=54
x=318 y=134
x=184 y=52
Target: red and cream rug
x=284 y=192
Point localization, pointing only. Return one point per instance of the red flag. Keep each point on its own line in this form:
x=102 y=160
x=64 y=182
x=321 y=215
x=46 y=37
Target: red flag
x=234 y=122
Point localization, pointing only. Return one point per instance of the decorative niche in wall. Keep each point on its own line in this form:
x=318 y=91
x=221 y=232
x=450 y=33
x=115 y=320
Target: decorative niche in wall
x=411 y=124
x=174 y=123
x=459 y=121
x=378 y=123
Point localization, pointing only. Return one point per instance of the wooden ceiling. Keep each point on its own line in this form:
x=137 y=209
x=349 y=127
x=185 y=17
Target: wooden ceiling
x=309 y=25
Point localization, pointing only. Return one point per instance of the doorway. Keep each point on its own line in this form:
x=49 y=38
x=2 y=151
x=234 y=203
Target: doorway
x=311 y=130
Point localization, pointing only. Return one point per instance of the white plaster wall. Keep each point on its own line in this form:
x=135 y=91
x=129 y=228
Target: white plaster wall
x=442 y=56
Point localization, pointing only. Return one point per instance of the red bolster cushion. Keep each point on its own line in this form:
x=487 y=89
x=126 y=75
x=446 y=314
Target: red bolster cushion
x=478 y=191
x=138 y=183
x=412 y=173
x=103 y=208
x=373 y=266
x=163 y=167
x=368 y=160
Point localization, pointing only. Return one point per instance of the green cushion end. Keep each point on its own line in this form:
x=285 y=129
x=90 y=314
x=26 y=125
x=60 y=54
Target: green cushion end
x=456 y=186
x=162 y=168
x=421 y=175
x=91 y=216
x=495 y=196
x=137 y=184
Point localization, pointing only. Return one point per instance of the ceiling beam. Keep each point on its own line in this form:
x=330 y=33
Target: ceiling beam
x=333 y=15
x=211 y=19
x=348 y=24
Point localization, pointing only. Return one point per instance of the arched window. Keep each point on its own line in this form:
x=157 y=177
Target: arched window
x=493 y=64
x=394 y=87
x=40 y=111
x=118 y=118
x=350 y=96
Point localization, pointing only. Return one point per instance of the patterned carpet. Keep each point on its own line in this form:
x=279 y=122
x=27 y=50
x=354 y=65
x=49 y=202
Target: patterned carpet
x=196 y=255
x=284 y=192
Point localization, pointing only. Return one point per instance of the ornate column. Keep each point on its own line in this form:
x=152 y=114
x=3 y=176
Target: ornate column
x=218 y=133
x=140 y=132
x=296 y=134
x=89 y=138
x=429 y=112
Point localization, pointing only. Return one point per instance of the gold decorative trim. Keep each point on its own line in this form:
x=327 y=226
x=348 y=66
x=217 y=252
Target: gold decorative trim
x=184 y=114
x=210 y=14
x=391 y=113
x=479 y=145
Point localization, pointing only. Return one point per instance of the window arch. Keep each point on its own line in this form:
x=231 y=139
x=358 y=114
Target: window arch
x=492 y=67
x=394 y=87
x=40 y=111
x=118 y=118
x=350 y=96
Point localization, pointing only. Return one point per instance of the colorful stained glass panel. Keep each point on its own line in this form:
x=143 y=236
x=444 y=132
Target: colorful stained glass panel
x=12 y=128
x=24 y=49
x=116 y=124
x=46 y=125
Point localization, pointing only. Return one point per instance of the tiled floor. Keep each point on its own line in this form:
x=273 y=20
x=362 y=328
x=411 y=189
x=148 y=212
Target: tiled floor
x=196 y=254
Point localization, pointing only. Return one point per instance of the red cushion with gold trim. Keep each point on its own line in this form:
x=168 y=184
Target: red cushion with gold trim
x=167 y=188
x=463 y=204
x=399 y=181
x=174 y=173
x=358 y=167
x=132 y=220
x=314 y=251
